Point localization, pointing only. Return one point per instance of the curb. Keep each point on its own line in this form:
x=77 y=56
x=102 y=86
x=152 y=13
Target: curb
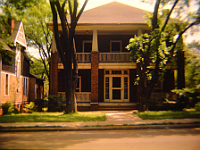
x=128 y=127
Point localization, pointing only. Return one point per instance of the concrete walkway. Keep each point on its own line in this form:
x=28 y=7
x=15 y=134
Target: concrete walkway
x=114 y=119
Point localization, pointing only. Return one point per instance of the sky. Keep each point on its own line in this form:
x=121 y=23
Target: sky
x=136 y=3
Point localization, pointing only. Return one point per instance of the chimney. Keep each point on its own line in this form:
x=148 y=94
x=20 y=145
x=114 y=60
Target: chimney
x=11 y=23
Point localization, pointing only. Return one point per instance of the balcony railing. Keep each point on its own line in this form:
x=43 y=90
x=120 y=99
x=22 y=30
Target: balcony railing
x=80 y=96
x=103 y=57
x=114 y=57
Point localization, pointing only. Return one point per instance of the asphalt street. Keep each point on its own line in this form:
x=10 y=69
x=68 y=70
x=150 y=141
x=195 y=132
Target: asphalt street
x=148 y=139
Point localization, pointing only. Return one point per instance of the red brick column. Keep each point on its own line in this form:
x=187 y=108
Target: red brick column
x=54 y=74
x=94 y=80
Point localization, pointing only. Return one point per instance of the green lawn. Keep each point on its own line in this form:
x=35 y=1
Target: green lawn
x=155 y=115
x=52 y=117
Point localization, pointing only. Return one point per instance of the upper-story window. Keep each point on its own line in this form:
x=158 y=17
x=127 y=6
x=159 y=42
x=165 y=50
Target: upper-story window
x=87 y=46
x=115 y=46
x=18 y=68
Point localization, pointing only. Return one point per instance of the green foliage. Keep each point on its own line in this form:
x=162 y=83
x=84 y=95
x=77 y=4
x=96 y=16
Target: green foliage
x=6 y=107
x=55 y=103
x=37 y=68
x=197 y=106
x=34 y=15
x=192 y=68
x=31 y=107
x=191 y=94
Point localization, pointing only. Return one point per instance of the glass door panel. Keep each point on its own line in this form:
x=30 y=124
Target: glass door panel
x=116 y=94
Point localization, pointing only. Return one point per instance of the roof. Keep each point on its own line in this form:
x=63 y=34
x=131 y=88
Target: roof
x=113 y=12
x=34 y=76
x=5 y=46
x=15 y=30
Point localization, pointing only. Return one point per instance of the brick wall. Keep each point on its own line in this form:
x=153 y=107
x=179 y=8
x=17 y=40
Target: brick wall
x=94 y=76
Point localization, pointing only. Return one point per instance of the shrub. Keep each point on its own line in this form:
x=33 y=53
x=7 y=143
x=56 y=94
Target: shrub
x=55 y=103
x=197 y=106
x=31 y=107
x=5 y=107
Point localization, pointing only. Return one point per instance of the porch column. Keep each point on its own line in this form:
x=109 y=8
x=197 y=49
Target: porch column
x=94 y=72
x=54 y=69
x=0 y=78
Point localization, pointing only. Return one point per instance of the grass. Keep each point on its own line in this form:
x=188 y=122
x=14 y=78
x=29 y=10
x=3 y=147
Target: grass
x=52 y=117
x=156 y=115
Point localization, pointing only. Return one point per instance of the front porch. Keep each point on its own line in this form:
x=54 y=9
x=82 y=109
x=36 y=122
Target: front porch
x=84 y=102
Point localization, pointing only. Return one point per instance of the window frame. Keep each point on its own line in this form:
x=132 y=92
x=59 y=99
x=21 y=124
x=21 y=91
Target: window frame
x=7 y=84
x=79 y=79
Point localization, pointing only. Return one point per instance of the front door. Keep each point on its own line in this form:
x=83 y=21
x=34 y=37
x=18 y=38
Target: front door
x=116 y=86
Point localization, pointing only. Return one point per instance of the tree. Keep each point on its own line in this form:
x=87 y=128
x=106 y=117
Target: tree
x=37 y=68
x=67 y=50
x=191 y=92
x=155 y=51
x=34 y=15
x=192 y=67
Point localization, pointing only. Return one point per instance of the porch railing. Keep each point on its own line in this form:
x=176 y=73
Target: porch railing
x=84 y=57
x=83 y=96
x=80 y=96
x=114 y=57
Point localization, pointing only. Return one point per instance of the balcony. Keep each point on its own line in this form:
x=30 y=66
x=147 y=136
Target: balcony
x=103 y=57
x=114 y=57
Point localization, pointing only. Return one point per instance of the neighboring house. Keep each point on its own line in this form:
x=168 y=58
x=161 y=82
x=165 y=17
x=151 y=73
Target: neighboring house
x=16 y=84
x=105 y=74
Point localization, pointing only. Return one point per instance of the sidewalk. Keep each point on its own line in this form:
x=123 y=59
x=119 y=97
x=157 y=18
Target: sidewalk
x=115 y=120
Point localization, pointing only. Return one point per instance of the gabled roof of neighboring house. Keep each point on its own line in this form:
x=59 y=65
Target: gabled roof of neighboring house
x=113 y=12
x=6 y=46
x=34 y=76
x=18 y=34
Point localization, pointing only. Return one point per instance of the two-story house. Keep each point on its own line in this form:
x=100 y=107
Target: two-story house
x=105 y=74
x=17 y=85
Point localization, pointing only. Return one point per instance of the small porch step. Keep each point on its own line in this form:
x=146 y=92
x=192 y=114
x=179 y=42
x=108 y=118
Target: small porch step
x=117 y=106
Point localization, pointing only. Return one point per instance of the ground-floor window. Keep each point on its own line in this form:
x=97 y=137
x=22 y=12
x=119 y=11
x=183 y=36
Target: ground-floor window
x=6 y=84
x=116 y=86
x=78 y=85
x=25 y=91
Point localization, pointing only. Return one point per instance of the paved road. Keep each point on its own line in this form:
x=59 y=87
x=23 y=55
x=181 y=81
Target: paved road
x=168 y=139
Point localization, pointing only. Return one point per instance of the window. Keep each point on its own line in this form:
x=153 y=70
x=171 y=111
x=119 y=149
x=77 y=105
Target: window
x=125 y=87
x=18 y=69
x=25 y=87
x=115 y=46
x=107 y=88
x=78 y=86
x=87 y=46
x=6 y=85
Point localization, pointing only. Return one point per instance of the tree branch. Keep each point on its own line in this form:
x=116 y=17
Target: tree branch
x=155 y=15
x=168 y=16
